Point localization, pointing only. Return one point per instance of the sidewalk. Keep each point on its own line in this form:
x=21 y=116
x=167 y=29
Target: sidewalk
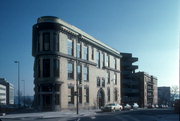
x=60 y=114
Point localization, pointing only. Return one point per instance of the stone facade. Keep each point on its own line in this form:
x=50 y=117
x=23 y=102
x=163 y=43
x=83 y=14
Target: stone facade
x=67 y=58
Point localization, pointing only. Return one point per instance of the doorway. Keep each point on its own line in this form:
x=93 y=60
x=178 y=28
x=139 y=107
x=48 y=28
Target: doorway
x=100 y=98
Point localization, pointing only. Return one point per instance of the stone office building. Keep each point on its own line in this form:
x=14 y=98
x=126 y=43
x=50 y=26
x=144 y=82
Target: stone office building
x=68 y=59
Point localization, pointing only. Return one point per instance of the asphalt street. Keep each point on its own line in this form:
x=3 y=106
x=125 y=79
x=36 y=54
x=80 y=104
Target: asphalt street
x=137 y=115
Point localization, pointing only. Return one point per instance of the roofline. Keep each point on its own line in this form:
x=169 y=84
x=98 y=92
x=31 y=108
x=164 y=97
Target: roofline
x=76 y=31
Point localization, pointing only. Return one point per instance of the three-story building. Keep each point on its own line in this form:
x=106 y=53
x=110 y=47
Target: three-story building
x=68 y=60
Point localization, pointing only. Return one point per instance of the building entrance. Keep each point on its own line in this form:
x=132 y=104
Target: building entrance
x=47 y=101
x=100 y=98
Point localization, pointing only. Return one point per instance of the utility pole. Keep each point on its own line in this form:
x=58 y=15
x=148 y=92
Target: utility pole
x=24 y=92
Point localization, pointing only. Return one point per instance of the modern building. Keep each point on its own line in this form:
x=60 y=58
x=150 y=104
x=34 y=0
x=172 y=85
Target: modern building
x=164 y=95
x=6 y=91
x=148 y=89
x=2 y=94
x=68 y=59
x=129 y=86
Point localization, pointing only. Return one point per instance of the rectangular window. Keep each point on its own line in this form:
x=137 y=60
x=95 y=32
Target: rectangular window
x=56 y=41
x=78 y=50
x=39 y=67
x=56 y=68
x=70 y=70
x=103 y=82
x=115 y=63
x=107 y=60
x=46 y=41
x=70 y=47
x=98 y=59
x=115 y=78
x=98 y=82
x=92 y=54
x=79 y=75
x=80 y=94
x=70 y=95
x=57 y=99
x=108 y=77
x=101 y=60
x=38 y=42
x=115 y=95
x=85 y=52
x=108 y=94
x=85 y=73
x=46 y=68
x=86 y=90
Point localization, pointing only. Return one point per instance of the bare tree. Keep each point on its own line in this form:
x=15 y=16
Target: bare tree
x=174 y=92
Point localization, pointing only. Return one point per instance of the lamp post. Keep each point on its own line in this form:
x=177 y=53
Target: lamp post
x=24 y=92
x=18 y=82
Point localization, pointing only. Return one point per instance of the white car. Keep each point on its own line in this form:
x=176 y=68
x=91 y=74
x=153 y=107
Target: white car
x=135 y=106
x=112 y=107
x=127 y=107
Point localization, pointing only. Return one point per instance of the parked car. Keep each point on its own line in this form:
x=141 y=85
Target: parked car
x=135 y=106
x=112 y=107
x=156 y=106
x=127 y=107
x=150 y=106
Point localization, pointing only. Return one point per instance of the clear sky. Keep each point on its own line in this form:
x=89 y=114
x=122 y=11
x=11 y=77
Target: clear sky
x=149 y=29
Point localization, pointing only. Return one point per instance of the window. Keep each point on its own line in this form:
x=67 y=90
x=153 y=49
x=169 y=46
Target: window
x=86 y=90
x=108 y=94
x=85 y=73
x=39 y=67
x=92 y=54
x=46 y=41
x=80 y=94
x=46 y=68
x=57 y=99
x=38 y=42
x=56 y=68
x=103 y=82
x=70 y=70
x=79 y=74
x=56 y=41
x=85 y=52
x=107 y=60
x=57 y=88
x=113 y=63
x=108 y=77
x=46 y=88
x=70 y=95
x=115 y=95
x=78 y=50
x=102 y=60
x=70 y=47
x=98 y=82
x=98 y=59
x=115 y=78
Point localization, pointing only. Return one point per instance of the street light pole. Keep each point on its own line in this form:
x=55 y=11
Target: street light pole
x=18 y=82
x=24 y=92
